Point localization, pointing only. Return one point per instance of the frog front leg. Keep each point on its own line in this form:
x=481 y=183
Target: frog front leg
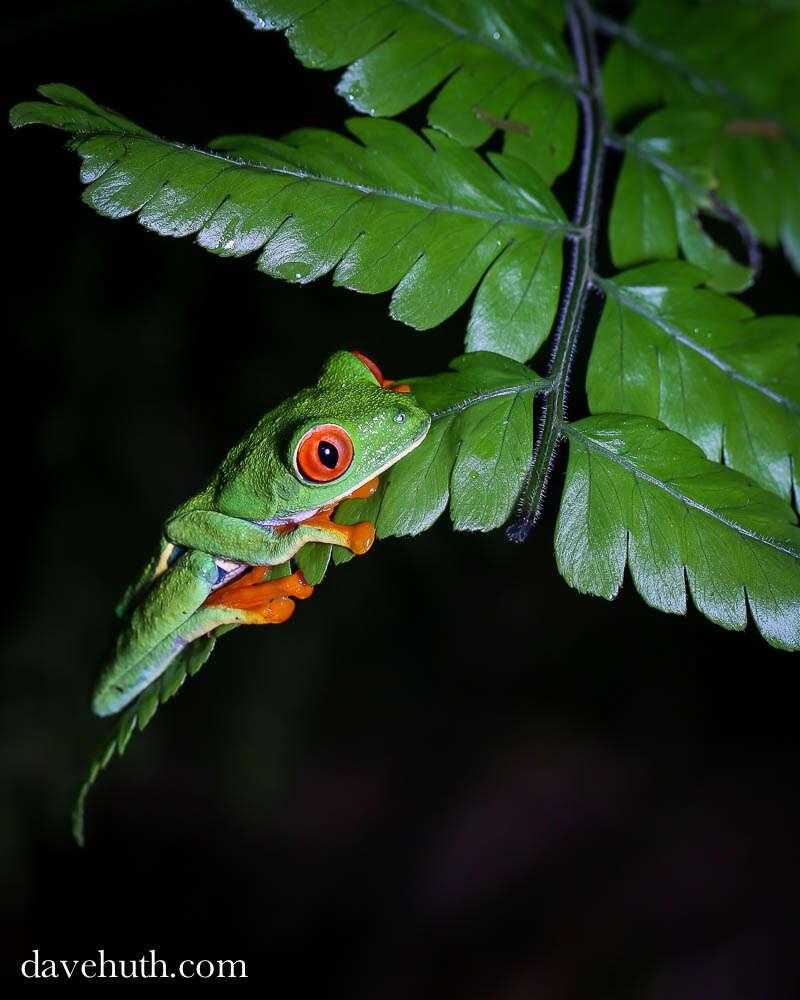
x=259 y=544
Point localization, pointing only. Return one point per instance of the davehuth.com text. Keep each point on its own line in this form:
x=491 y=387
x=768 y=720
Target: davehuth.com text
x=145 y=967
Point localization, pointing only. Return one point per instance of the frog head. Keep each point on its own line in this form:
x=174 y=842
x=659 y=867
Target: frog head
x=320 y=445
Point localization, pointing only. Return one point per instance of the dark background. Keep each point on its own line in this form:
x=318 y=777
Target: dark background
x=449 y=774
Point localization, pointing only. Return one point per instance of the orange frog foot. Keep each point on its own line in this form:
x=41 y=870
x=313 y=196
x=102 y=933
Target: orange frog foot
x=263 y=602
x=356 y=537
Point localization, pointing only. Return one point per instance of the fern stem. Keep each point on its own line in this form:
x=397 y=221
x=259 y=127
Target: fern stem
x=581 y=249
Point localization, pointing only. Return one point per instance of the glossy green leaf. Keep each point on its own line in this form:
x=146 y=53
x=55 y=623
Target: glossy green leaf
x=499 y=60
x=312 y=561
x=640 y=495
x=477 y=451
x=642 y=225
x=705 y=366
x=424 y=216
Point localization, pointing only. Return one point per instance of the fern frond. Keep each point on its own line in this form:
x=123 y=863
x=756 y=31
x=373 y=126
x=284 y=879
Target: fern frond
x=640 y=495
x=422 y=215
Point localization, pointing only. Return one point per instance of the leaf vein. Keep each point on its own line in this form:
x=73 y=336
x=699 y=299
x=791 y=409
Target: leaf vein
x=688 y=502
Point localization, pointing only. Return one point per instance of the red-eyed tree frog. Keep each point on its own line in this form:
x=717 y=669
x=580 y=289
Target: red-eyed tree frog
x=273 y=493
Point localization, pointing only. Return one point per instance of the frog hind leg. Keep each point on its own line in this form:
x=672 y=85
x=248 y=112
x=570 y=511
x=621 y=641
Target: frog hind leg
x=248 y=600
x=166 y=605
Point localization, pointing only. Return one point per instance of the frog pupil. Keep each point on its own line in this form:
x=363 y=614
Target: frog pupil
x=328 y=454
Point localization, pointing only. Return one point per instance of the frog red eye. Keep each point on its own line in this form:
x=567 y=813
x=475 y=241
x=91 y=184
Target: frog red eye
x=324 y=453
x=370 y=364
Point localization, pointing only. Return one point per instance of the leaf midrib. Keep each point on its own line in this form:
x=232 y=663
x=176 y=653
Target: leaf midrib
x=233 y=162
x=534 y=385
x=591 y=445
x=636 y=306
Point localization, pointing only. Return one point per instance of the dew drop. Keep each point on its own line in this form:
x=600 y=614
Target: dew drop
x=496 y=36
x=297 y=274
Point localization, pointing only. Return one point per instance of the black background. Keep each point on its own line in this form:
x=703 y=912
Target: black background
x=449 y=774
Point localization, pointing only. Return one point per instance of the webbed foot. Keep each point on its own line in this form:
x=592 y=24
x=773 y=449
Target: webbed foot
x=262 y=601
x=356 y=537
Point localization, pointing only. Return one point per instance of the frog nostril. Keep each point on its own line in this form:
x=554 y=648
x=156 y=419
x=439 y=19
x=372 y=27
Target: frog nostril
x=400 y=418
